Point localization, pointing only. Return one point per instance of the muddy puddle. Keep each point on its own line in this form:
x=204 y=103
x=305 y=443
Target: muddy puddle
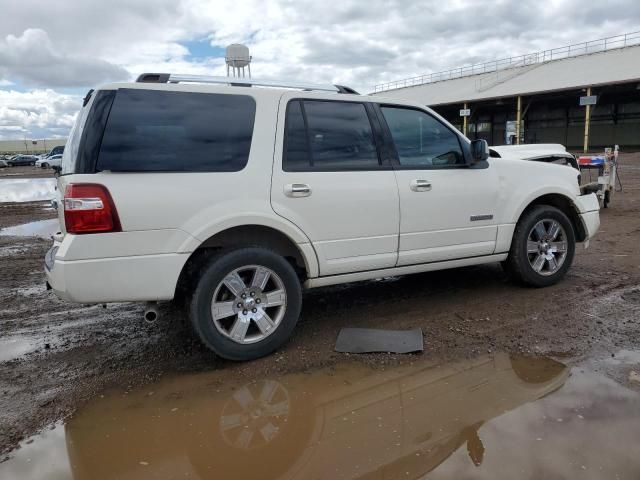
x=40 y=228
x=491 y=417
x=26 y=189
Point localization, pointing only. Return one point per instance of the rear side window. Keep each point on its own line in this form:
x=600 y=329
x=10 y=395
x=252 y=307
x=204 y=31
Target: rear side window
x=151 y=130
x=328 y=136
x=297 y=157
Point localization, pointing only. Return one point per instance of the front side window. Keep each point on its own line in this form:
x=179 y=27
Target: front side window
x=326 y=135
x=152 y=130
x=422 y=141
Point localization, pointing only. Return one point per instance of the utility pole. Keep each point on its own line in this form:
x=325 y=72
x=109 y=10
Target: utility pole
x=518 y=119
x=464 y=121
x=587 y=121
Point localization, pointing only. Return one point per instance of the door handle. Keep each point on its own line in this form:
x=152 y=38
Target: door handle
x=296 y=190
x=420 y=185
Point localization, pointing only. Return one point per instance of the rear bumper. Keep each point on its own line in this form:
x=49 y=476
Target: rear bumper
x=116 y=267
x=120 y=279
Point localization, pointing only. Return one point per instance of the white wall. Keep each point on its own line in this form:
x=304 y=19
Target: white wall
x=30 y=146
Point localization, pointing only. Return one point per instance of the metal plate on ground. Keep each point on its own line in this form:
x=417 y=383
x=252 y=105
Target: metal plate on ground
x=368 y=340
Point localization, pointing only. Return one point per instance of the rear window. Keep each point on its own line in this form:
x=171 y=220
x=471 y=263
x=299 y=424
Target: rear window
x=151 y=130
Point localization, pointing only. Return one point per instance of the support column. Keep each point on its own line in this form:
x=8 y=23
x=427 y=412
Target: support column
x=566 y=126
x=518 y=119
x=464 y=122
x=587 y=121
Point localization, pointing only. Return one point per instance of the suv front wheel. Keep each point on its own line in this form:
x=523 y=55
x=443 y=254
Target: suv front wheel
x=246 y=303
x=542 y=248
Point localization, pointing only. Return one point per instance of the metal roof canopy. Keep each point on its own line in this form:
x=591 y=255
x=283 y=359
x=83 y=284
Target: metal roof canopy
x=619 y=65
x=584 y=48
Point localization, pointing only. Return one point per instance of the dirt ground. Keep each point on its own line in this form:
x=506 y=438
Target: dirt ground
x=66 y=354
x=25 y=172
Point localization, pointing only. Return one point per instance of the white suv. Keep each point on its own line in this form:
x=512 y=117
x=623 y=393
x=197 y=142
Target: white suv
x=236 y=198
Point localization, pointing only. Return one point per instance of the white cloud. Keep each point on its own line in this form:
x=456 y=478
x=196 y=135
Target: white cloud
x=32 y=59
x=36 y=113
x=353 y=42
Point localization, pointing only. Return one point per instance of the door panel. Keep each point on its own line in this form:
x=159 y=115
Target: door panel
x=437 y=224
x=447 y=209
x=327 y=179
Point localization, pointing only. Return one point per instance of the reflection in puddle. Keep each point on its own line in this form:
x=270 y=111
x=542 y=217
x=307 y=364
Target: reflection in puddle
x=484 y=418
x=41 y=228
x=27 y=189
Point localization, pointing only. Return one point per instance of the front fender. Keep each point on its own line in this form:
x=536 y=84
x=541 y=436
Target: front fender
x=516 y=210
x=521 y=182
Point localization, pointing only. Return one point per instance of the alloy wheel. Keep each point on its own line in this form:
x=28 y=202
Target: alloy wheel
x=547 y=247
x=248 y=304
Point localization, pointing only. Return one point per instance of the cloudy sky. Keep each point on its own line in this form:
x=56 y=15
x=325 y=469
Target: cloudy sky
x=51 y=52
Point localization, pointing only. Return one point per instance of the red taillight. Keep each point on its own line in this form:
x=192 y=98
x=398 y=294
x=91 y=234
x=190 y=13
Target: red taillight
x=88 y=208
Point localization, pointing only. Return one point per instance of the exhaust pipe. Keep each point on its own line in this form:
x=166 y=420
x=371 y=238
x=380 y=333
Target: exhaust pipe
x=151 y=312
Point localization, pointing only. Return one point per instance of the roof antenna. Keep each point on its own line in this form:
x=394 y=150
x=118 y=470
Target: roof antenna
x=237 y=58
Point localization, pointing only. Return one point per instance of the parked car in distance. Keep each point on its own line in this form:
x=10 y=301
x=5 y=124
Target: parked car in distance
x=48 y=162
x=3 y=163
x=273 y=190
x=59 y=150
x=21 y=160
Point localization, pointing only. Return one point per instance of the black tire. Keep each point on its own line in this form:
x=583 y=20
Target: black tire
x=44 y=165
x=213 y=274
x=517 y=263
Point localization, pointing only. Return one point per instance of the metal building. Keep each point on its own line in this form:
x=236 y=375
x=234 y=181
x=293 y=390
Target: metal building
x=27 y=146
x=543 y=97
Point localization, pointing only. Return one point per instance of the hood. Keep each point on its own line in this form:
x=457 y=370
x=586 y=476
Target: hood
x=532 y=151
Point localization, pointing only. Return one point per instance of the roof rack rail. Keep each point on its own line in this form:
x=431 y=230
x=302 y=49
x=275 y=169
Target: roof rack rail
x=240 y=82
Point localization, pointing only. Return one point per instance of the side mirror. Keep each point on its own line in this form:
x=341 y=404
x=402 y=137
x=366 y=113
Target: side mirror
x=479 y=150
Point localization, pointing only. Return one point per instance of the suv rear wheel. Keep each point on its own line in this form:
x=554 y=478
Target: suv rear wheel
x=542 y=248
x=246 y=303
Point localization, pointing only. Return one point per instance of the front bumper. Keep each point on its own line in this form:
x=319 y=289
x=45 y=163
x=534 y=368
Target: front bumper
x=591 y=223
x=589 y=210
x=587 y=203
